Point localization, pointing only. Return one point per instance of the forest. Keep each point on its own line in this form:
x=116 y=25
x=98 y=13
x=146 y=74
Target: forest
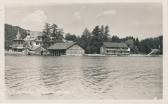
x=89 y=40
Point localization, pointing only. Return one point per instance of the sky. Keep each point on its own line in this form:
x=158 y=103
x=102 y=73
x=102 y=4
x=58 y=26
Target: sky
x=140 y=20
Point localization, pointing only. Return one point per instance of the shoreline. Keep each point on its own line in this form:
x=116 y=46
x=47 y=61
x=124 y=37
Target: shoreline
x=87 y=55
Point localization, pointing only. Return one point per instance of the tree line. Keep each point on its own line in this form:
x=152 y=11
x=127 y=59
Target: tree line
x=90 y=41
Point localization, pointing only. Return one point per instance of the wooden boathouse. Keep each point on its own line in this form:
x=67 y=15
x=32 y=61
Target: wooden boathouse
x=66 y=48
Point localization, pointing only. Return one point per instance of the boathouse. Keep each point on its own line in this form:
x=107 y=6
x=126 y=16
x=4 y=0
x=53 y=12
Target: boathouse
x=114 y=48
x=66 y=48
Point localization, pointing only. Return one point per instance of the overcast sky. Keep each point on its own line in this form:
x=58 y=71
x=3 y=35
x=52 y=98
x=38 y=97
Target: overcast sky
x=136 y=19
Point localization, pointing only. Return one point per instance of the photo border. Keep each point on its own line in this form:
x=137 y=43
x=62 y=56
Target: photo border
x=51 y=2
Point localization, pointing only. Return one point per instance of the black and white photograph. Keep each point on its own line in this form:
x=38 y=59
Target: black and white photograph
x=72 y=51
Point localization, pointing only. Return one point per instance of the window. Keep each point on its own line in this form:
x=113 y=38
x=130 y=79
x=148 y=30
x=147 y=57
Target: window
x=37 y=43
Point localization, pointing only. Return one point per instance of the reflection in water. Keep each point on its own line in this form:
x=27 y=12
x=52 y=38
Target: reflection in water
x=83 y=77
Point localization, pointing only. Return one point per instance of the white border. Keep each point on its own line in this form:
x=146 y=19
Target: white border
x=44 y=2
x=165 y=51
x=50 y=2
x=2 y=74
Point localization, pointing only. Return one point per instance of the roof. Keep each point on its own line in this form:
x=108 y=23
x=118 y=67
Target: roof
x=115 y=45
x=37 y=49
x=63 y=45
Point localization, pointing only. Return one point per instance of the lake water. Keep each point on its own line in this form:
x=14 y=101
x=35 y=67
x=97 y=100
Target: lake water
x=67 y=77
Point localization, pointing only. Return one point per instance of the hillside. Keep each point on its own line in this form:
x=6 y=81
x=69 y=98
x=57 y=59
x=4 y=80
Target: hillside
x=10 y=34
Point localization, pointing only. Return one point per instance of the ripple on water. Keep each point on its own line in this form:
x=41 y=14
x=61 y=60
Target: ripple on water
x=91 y=77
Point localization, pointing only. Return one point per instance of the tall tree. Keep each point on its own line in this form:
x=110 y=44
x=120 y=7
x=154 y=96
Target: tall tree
x=106 y=33
x=60 y=36
x=85 y=41
x=97 y=40
x=51 y=35
x=46 y=36
x=56 y=34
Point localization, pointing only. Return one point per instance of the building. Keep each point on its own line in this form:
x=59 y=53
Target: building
x=112 y=48
x=66 y=48
x=31 y=44
x=17 y=44
x=34 y=37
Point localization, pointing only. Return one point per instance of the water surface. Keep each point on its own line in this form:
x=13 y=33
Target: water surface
x=83 y=77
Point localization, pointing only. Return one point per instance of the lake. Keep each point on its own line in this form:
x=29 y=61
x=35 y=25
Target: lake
x=69 y=77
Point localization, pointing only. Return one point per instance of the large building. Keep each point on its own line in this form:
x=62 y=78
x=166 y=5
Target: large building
x=31 y=44
x=112 y=48
x=66 y=48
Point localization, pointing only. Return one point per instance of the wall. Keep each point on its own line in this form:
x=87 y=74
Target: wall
x=102 y=50
x=75 y=50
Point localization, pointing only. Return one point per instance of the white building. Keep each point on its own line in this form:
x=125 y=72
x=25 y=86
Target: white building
x=30 y=44
x=111 y=48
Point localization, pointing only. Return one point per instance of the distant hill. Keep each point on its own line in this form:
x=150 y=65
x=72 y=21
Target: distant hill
x=10 y=34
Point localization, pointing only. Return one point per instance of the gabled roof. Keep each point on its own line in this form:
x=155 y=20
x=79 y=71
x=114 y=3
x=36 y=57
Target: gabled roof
x=115 y=45
x=63 y=45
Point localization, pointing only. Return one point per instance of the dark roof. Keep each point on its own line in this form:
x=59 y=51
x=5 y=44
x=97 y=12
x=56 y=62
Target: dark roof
x=115 y=44
x=63 y=45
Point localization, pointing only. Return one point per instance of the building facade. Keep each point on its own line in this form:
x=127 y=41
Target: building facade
x=27 y=45
x=111 y=48
x=66 y=48
x=17 y=44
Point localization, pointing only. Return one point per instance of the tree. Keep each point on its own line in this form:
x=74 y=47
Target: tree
x=137 y=45
x=51 y=35
x=147 y=45
x=56 y=34
x=46 y=36
x=85 y=40
x=115 y=39
x=97 y=40
x=71 y=37
x=130 y=44
x=60 y=36
x=106 y=33
x=160 y=39
x=10 y=34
